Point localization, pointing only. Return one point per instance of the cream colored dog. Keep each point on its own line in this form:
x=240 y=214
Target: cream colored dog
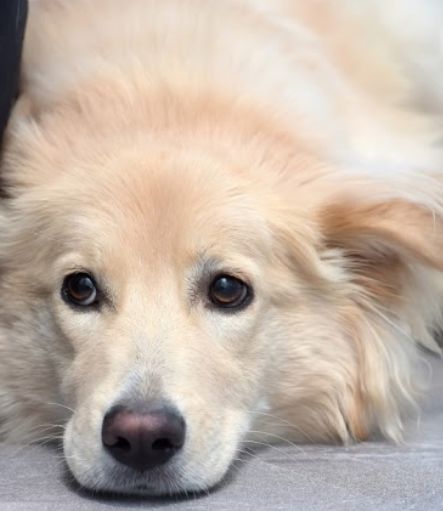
x=222 y=220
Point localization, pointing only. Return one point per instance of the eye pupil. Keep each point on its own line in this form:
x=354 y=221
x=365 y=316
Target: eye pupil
x=228 y=292
x=80 y=289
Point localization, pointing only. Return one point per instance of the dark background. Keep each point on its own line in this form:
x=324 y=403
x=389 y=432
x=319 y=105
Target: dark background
x=12 y=23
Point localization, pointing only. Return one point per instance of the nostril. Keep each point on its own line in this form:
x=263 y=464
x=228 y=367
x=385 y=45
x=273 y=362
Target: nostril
x=162 y=444
x=121 y=443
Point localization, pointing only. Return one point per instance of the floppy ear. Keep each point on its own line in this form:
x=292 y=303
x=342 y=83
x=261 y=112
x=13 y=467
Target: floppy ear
x=383 y=233
x=384 y=244
x=392 y=251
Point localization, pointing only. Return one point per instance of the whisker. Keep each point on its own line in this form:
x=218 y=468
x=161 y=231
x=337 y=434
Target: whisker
x=280 y=421
x=51 y=403
x=279 y=450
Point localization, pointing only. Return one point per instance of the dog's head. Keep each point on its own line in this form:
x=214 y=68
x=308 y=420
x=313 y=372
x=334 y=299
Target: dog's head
x=191 y=279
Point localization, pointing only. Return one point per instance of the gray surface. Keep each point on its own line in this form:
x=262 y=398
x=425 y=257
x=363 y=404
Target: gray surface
x=370 y=476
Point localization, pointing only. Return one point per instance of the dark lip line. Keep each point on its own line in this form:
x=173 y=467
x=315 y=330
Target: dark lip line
x=135 y=492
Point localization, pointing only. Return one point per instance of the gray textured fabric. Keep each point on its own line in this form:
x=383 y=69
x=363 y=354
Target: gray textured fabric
x=370 y=476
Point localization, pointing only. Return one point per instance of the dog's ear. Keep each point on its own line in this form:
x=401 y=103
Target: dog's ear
x=382 y=233
x=392 y=250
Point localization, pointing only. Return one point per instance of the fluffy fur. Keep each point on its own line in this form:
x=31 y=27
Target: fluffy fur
x=293 y=143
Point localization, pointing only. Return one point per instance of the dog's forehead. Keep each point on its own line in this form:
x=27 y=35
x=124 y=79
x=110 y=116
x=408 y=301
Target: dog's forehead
x=167 y=217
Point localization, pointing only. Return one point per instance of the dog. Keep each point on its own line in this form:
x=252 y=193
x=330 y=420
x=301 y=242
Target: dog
x=222 y=223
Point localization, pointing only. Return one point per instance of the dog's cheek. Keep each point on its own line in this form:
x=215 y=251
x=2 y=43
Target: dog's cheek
x=203 y=468
x=311 y=375
x=83 y=455
x=90 y=385
x=217 y=391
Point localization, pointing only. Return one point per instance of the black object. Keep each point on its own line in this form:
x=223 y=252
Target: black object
x=13 y=15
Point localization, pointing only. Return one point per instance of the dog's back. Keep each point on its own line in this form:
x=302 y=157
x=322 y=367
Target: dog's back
x=366 y=72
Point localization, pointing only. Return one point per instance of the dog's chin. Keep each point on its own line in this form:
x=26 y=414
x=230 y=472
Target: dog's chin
x=154 y=483
x=160 y=482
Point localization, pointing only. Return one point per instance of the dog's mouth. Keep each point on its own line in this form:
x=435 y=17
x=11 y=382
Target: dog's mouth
x=149 y=486
x=159 y=483
x=120 y=481
x=180 y=477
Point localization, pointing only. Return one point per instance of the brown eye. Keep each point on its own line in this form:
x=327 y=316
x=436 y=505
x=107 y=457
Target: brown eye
x=80 y=289
x=229 y=292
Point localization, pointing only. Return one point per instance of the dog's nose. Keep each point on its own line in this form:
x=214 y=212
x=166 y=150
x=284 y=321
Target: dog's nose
x=143 y=440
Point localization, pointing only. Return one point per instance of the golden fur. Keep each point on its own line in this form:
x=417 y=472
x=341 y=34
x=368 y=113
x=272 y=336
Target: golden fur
x=282 y=141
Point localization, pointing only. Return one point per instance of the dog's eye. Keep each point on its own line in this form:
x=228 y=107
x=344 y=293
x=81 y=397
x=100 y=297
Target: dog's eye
x=80 y=289
x=229 y=292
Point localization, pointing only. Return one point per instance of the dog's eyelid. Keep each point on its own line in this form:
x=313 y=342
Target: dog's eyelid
x=232 y=271
x=212 y=265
